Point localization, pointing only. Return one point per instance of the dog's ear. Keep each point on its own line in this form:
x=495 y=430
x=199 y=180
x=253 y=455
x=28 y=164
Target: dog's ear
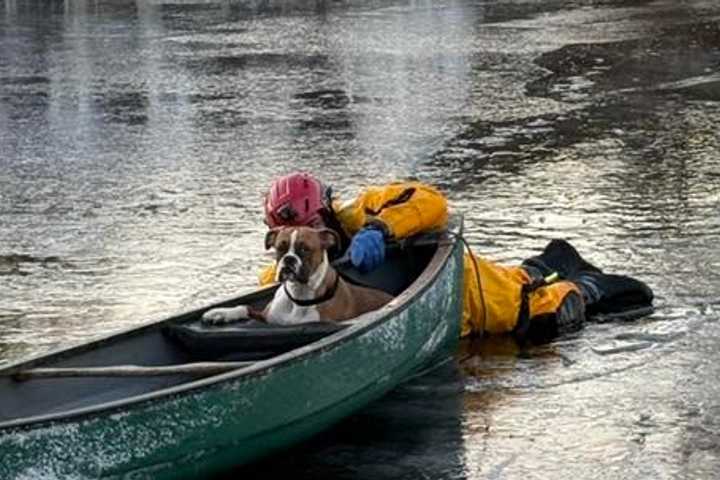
x=328 y=238
x=270 y=237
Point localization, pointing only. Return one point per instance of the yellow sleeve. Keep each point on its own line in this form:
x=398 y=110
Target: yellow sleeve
x=267 y=275
x=405 y=209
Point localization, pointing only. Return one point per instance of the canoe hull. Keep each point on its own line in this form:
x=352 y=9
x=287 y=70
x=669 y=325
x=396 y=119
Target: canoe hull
x=239 y=417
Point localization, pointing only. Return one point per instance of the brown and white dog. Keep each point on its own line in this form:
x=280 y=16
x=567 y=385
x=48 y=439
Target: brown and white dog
x=311 y=290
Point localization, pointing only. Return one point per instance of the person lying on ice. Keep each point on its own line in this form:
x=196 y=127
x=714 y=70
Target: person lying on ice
x=547 y=295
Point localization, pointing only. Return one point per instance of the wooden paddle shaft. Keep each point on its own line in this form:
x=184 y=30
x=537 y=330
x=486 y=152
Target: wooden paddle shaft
x=200 y=368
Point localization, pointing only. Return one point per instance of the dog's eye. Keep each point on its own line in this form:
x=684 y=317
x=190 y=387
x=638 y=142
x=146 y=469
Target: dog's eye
x=282 y=248
x=301 y=249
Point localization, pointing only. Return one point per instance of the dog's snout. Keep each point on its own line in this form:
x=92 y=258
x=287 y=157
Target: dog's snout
x=290 y=268
x=290 y=261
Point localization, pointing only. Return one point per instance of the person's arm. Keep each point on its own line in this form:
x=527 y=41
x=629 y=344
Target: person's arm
x=393 y=211
x=400 y=210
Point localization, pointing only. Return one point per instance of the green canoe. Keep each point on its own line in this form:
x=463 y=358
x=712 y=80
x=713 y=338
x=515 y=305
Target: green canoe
x=279 y=386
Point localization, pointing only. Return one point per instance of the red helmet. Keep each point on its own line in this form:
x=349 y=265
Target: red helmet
x=294 y=200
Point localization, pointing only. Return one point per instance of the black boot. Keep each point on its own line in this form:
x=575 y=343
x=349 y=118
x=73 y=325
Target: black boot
x=561 y=257
x=614 y=295
x=603 y=294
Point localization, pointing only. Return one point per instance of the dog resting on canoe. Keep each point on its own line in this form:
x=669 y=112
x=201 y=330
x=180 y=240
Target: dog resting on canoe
x=312 y=290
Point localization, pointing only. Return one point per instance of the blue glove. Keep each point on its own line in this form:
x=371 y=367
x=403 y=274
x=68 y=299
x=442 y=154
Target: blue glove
x=367 y=249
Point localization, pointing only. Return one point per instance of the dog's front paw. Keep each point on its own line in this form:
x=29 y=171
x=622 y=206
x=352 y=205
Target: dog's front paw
x=224 y=315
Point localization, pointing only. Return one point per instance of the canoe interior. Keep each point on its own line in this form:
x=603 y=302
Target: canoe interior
x=160 y=344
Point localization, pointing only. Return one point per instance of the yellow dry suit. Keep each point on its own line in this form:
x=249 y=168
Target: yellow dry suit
x=409 y=208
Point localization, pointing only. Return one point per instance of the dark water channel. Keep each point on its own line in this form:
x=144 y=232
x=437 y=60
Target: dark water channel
x=136 y=140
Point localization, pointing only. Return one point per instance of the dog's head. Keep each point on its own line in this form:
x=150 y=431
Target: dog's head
x=300 y=250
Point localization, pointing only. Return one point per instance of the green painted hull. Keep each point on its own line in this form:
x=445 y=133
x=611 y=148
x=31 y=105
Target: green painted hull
x=210 y=425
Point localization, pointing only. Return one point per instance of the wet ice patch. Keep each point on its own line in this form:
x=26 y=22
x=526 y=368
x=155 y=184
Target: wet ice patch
x=572 y=89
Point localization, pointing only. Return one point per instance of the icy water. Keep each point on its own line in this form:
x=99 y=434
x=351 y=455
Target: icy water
x=136 y=140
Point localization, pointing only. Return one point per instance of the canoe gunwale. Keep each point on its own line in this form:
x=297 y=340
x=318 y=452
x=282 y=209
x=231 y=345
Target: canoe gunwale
x=97 y=342
x=423 y=282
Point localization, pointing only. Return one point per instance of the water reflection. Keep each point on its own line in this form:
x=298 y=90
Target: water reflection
x=424 y=416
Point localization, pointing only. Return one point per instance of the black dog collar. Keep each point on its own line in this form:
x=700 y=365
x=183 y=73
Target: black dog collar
x=329 y=293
